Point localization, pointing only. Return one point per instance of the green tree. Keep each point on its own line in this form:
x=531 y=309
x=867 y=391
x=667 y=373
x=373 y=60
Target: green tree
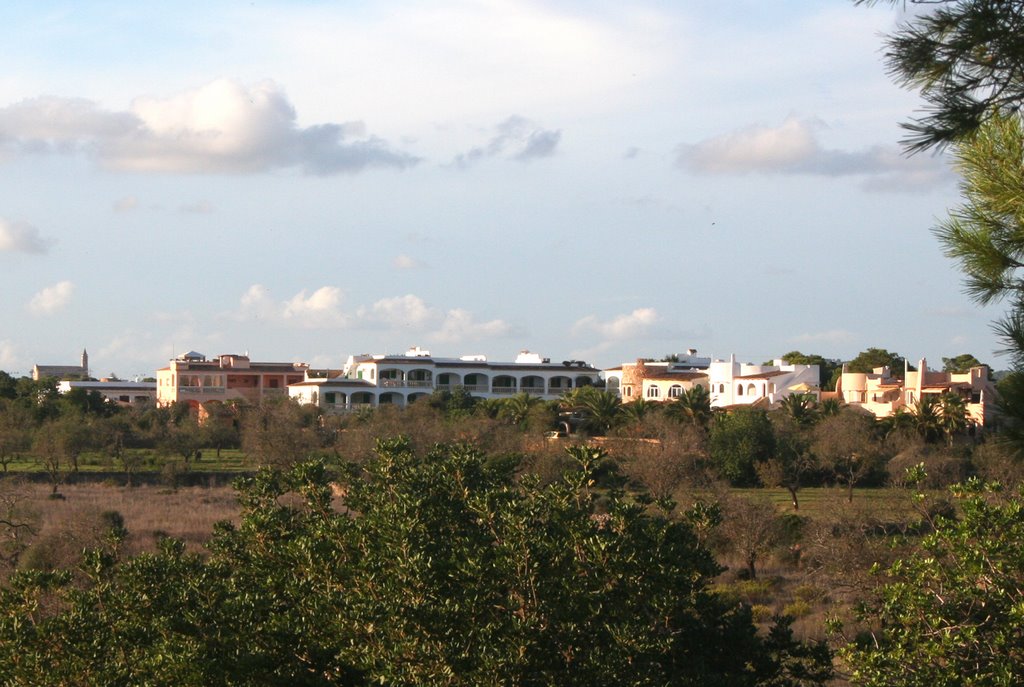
x=950 y=614
x=439 y=571
x=961 y=363
x=8 y=386
x=740 y=440
x=793 y=463
x=602 y=408
x=868 y=360
x=15 y=432
x=952 y=416
x=516 y=410
x=801 y=408
x=965 y=57
x=985 y=235
x=846 y=445
x=279 y=432
x=826 y=366
x=927 y=416
x=636 y=411
x=693 y=406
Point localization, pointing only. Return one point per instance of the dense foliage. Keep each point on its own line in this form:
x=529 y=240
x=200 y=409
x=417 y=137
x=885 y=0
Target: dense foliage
x=439 y=569
x=951 y=614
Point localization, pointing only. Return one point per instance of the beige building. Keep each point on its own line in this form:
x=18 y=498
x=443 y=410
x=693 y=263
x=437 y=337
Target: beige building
x=194 y=379
x=882 y=394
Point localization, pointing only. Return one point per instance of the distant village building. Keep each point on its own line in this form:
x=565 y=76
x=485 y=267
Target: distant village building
x=882 y=394
x=383 y=379
x=62 y=371
x=115 y=390
x=229 y=377
x=728 y=382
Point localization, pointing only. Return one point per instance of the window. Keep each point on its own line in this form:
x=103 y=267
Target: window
x=739 y=389
x=328 y=397
x=675 y=391
x=721 y=388
x=627 y=391
x=653 y=392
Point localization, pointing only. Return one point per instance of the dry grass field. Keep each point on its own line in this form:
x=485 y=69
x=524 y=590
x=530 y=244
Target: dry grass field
x=63 y=527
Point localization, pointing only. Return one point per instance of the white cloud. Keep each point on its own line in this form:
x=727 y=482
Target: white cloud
x=51 y=299
x=793 y=148
x=320 y=308
x=460 y=325
x=19 y=237
x=223 y=126
x=405 y=262
x=516 y=138
x=407 y=311
x=629 y=326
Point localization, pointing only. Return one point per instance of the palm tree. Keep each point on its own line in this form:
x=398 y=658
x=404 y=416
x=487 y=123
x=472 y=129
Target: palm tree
x=900 y=420
x=952 y=415
x=802 y=408
x=604 y=409
x=829 y=407
x=517 y=408
x=927 y=420
x=693 y=406
x=635 y=411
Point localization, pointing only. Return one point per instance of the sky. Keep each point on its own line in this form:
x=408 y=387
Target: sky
x=306 y=180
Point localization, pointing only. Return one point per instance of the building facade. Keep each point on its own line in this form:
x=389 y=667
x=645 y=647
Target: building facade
x=116 y=391
x=728 y=382
x=193 y=379
x=882 y=394
x=382 y=379
x=63 y=371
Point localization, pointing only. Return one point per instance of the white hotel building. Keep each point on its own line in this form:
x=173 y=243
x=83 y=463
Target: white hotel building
x=381 y=379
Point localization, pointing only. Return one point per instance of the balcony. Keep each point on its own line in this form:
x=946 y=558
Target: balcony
x=201 y=390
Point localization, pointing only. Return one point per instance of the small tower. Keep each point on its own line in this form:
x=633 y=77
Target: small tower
x=85 y=363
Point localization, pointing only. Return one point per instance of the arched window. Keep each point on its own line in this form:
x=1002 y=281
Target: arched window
x=739 y=389
x=721 y=388
x=653 y=392
x=627 y=391
x=675 y=391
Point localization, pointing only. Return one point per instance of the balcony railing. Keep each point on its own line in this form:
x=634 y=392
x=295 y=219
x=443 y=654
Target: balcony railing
x=267 y=391
x=504 y=390
x=205 y=390
x=397 y=383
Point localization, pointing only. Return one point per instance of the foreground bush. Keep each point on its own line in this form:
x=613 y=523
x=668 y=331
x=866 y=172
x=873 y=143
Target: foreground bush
x=444 y=571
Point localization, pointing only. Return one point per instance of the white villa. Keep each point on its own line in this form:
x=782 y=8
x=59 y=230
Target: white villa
x=728 y=382
x=115 y=390
x=381 y=379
